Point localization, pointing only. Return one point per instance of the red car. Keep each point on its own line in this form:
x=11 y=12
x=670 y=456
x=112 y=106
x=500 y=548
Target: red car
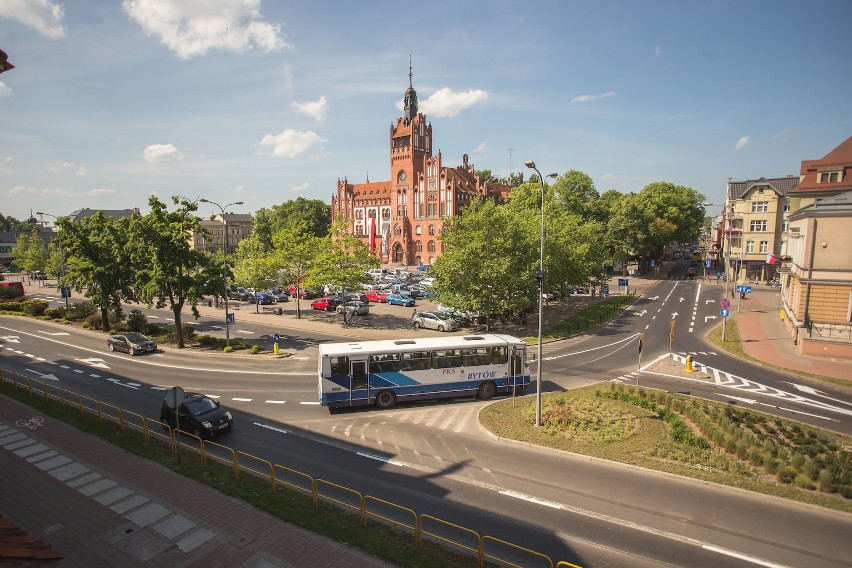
x=376 y=296
x=303 y=294
x=325 y=303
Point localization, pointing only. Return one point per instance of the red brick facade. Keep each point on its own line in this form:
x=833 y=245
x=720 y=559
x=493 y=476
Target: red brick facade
x=410 y=208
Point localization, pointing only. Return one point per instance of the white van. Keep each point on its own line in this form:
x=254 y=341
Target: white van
x=376 y=273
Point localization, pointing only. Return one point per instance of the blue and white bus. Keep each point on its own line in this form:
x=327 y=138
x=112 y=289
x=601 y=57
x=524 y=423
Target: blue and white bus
x=386 y=371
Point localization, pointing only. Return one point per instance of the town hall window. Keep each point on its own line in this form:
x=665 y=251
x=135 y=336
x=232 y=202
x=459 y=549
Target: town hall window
x=431 y=229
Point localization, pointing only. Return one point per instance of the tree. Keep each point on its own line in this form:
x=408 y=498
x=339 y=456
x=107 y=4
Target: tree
x=626 y=229
x=168 y=271
x=342 y=262
x=12 y=225
x=313 y=215
x=97 y=261
x=488 y=263
x=29 y=253
x=576 y=192
x=296 y=251
x=254 y=267
x=674 y=212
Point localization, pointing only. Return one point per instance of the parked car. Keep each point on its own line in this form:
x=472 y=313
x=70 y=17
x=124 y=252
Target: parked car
x=400 y=300
x=431 y=320
x=357 y=297
x=261 y=298
x=376 y=296
x=359 y=308
x=198 y=414
x=131 y=342
x=428 y=281
x=325 y=303
x=304 y=294
x=281 y=295
x=690 y=272
x=238 y=293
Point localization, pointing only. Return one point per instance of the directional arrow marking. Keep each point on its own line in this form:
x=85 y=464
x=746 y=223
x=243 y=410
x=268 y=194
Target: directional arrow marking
x=654 y=298
x=48 y=376
x=813 y=391
x=681 y=299
x=674 y=315
x=94 y=362
x=709 y=301
x=709 y=318
x=642 y=313
x=11 y=338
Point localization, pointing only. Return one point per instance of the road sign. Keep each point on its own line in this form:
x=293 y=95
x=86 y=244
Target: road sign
x=725 y=303
x=707 y=263
x=231 y=318
x=623 y=281
x=276 y=337
x=66 y=291
x=174 y=397
x=605 y=291
x=725 y=313
x=744 y=289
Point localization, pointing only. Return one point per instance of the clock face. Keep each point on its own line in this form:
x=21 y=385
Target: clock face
x=401 y=176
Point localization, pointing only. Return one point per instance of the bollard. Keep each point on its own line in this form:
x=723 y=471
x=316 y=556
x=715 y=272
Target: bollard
x=689 y=368
x=275 y=348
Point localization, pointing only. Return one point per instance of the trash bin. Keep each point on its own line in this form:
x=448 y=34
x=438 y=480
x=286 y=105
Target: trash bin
x=209 y=303
x=279 y=311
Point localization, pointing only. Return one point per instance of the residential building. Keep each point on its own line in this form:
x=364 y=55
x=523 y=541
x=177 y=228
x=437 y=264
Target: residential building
x=115 y=214
x=817 y=287
x=819 y=179
x=402 y=219
x=222 y=232
x=755 y=221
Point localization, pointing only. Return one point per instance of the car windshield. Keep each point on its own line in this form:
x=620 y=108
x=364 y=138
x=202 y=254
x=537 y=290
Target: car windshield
x=135 y=337
x=199 y=406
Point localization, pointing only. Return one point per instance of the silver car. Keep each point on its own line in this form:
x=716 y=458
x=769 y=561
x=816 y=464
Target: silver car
x=430 y=320
x=355 y=307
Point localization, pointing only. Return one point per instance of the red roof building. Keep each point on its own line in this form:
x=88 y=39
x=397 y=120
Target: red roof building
x=401 y=219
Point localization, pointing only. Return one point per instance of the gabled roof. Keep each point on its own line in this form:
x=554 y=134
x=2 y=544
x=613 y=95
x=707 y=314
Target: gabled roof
x=80 y=214
x=838 y=160
x=836 y=205
x=780 y=185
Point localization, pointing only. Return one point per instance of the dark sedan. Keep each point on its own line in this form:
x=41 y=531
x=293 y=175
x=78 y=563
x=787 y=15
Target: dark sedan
x=131 y=342
x=199 y=414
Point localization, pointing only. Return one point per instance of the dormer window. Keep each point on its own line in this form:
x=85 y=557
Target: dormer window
x=829 y=177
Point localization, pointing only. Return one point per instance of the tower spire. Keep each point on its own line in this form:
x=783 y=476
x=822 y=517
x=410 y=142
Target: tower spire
x=410 y=95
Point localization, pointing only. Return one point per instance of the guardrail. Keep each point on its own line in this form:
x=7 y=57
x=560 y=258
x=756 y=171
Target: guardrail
x=279 y=476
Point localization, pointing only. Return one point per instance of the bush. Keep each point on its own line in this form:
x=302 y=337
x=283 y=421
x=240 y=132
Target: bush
x=825 y=481
x=55 y=313
x=804 y=482
x=151 y=329
x=255 y=349
x=228 y=349
x=80 y=311
x=137 y=321
x=93 y=321
x=786 y=474
x=36 y=307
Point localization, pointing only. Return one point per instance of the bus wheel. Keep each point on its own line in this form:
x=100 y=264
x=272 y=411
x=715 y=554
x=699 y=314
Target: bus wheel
x=487 y=390
x=385 y=399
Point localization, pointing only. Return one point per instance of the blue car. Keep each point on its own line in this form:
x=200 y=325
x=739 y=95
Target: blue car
x=400 y=300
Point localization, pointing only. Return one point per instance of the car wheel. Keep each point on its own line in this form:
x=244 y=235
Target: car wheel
x=111 y=347
x=440 y=328
x=487 y=390
x=196 y=431
x=417 y=325
x=132 y=351
x=385 y=399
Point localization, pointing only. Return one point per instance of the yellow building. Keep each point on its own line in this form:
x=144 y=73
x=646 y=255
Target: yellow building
x=223 y=232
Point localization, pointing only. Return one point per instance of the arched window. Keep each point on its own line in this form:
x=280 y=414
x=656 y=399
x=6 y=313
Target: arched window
x=397 y=230
x=431 y=229
x=418 y=246
x=417 y=230
x=430 y=247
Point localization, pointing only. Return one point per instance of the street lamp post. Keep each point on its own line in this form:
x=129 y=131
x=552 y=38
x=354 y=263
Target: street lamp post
x=540 y=277
x=224 y=263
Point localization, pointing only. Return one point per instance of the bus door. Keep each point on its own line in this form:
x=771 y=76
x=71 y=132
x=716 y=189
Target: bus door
x=516 y=367
x=358 y=380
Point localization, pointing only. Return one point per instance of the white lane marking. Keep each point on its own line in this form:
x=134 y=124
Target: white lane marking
x=531 y=499
x=381 y=459
x=54 y=333
x=49 y=376
x=309 y=402
x=813 y=391
x=740 y=556
x=242 y=399
x=274 y=401
x=613 y=344
x=268 y=427
x=10 y=338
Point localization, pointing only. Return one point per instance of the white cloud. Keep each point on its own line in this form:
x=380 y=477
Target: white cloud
x=194 y=28
x=42 y=15
x=62 y=166
x=6 y=164
x=300 y=188
x=289 y=143
x=658 y=50
x=482 y=146
x=5 y=90
x=100 y=192
x=238 y=189
x=446 y=102
x=315 y=109
x=44 y=193
x=161 y=153
x=609 y=176
x=592 y=98
x=81 y=171
x=743 y=142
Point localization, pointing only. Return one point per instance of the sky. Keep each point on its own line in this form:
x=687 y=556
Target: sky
x=112 y=101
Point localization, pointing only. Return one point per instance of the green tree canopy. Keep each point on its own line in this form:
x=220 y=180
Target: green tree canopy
x=296 y=253
x=254 y=267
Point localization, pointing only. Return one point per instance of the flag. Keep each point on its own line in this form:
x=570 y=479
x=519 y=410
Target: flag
x=771 y=259
x=372 y=234
x=4 y=62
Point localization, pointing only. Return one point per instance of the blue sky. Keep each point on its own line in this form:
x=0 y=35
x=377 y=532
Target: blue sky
x=264 y=102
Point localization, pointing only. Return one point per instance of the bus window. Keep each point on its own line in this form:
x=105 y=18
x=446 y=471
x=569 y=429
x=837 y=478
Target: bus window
x=476 y=356
x=339 y=366
x=415 y=361
x=388 y=363
x=446 y=359
x=499 y=355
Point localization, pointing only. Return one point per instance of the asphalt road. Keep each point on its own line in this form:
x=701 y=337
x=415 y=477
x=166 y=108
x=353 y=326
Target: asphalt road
x=436 y=459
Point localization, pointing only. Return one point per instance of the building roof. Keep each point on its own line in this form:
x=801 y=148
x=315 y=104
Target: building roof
x=838 y=160
x=80 y=214
x=838 y=205
x=781 y=185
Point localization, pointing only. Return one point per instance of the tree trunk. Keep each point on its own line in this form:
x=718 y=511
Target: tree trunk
x=176 y=309
x=105 y=318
